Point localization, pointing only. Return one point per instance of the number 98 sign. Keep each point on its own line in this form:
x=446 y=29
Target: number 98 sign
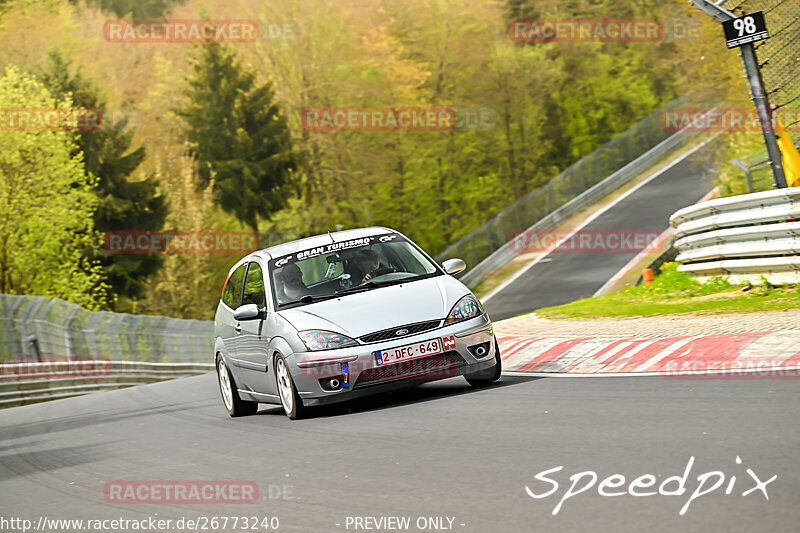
x=745 y=29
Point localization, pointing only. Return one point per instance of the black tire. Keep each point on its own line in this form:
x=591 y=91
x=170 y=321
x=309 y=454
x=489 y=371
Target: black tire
x=290 y=399
x=230 y=396
x=495 y=371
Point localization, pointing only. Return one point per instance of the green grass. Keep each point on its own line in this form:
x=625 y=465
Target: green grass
x=674 y=292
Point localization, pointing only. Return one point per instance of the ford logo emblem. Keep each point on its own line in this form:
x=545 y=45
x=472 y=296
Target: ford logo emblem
x=401 y=332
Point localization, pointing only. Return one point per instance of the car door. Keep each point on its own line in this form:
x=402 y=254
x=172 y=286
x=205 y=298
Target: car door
x=254 y=339
x=225 y=323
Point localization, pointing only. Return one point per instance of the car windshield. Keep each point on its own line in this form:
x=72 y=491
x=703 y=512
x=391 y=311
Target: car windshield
x=346 y=267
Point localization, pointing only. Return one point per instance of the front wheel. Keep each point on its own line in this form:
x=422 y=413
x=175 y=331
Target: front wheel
x=230 y=397
x=290 y=399
x=495 y=371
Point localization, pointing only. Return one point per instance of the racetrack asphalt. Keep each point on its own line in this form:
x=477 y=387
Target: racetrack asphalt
x=566 y=275
x=442 y=449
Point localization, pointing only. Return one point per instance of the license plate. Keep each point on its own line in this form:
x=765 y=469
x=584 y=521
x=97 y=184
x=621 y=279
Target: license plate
x=409 y=351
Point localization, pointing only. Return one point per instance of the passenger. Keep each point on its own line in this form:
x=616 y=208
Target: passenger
x=292 y=284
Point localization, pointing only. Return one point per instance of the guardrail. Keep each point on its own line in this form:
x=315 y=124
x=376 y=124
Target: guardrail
x=48 y=345
x=505 y=253
x=743 y=238
x=35 y=325
x=485 y=247
x=24 y=383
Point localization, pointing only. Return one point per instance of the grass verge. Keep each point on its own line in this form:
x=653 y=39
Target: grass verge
x=674 y=292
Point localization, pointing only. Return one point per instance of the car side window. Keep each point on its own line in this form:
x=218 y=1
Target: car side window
x=232 y=295
x=254 y=287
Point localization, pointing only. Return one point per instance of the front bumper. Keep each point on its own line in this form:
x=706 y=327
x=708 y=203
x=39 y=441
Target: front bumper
x=310 y=370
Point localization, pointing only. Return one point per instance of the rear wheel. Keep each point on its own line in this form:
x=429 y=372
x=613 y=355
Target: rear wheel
x=230 y=397
x=290 y=399
x=485 y=377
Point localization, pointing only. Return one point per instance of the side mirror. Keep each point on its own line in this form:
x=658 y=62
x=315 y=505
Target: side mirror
x=247 y=312
x=454 y=266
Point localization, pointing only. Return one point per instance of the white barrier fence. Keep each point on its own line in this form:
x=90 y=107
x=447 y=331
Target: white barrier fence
x=743 y=238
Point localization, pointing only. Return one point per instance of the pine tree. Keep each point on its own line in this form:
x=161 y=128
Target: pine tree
x=238 y=136
x=123 y=204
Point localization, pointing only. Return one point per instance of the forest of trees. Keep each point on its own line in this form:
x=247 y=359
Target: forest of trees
x=211 y=136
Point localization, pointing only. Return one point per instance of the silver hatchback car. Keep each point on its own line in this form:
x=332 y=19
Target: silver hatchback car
x=343 y=315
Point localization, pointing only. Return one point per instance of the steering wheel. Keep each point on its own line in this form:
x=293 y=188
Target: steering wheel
x=381 y=271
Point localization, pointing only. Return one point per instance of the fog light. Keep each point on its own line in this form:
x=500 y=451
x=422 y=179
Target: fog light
x=479 y=350
x=331 y=384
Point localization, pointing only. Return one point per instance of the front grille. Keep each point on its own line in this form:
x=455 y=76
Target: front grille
x=412 y=329
x=441 y=366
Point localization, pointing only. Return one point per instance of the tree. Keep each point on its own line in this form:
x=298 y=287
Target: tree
x=123 y=204
x=237 y=135
x=46 y=203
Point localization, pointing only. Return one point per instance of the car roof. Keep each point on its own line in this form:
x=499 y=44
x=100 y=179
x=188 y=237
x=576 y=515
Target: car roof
x=319 y=240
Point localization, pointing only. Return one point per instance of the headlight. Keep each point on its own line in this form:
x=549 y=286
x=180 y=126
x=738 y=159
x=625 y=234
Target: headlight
x=466 y=308
x=324 y=340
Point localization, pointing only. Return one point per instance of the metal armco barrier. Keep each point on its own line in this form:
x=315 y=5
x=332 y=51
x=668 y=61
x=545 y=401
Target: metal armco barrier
x=743 y=238
x=486 y=248
x=497 y=257
x=35 y=325
x=52 y=333
x=24 y=383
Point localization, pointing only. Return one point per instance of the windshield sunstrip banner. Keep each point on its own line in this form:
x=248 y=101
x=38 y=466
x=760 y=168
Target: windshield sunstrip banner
x=336 y=247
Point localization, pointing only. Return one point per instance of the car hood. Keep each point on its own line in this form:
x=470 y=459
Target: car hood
x=382 y=308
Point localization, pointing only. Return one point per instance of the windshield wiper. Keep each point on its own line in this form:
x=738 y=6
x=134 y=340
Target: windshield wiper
x=308 y=298
x=367 y=286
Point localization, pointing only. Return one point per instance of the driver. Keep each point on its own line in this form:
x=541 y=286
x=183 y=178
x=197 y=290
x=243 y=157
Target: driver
x=366 y=263
x=292 y=278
